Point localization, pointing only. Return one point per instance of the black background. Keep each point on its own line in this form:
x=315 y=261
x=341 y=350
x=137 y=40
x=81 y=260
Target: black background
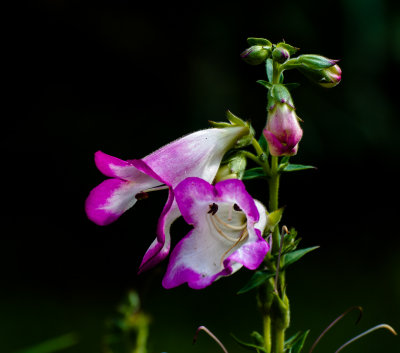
x=126 y=79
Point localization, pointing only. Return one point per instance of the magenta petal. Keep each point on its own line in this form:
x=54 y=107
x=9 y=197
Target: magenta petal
x=109 y=200
x=160 y=247
x=275 y=146
x=117 y=168
x=202 y=256
x=251 y=255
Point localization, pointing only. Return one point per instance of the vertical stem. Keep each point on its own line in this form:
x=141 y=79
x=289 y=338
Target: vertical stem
x=267 y=333
x=279 y=341
x=273 y=200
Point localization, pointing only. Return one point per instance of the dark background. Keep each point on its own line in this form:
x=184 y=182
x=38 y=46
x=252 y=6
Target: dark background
x=128 y=78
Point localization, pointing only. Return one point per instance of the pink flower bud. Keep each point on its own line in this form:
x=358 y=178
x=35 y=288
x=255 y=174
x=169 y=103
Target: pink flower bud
x=283 y=131
x=332 y=76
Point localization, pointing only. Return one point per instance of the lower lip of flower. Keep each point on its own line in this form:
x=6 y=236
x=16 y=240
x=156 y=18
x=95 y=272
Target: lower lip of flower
x=223 y=227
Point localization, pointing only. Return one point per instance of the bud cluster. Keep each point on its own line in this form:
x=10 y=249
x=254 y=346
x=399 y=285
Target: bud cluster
x=282 y=131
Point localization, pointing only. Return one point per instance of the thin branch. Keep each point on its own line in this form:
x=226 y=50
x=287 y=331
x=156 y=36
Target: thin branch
x=387 y=327
x=333 y=323
x=206 y=330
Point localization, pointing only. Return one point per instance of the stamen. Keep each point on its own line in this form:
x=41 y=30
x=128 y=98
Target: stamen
x=213 y=209
x=236 y=207
x=220 y=221
x=142 y=196
x=243 y=236
x=219 y=230
x=156 y=188
x=230 y=214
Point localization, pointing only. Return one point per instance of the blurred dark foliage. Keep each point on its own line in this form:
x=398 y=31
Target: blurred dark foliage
x=127 y=78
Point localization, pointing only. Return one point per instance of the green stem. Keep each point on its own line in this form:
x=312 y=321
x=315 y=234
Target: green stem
x=278 y=342
x=267 y=333
x=273 y=200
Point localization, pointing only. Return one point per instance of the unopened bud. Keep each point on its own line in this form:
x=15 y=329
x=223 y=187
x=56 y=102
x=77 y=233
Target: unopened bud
x=328 y=78
x=224 y=173
x=331 y=76
x=283 y=131
x=255 y=55
x=280 y=54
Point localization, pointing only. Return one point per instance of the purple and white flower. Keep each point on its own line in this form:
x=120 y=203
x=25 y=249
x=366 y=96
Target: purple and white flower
x=198 y=154
x=227 y=233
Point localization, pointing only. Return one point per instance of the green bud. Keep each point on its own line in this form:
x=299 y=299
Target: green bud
x=273 y=219
x=224 y=173
x=280 y=54
x=328 y=78
x=256 y=54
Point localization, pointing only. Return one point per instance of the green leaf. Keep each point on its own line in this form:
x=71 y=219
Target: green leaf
x=250 y=346
x=292 y=85
x=258 y=338
x=281 y=78
x=285 y=159
x=295 y=256
x=53 y=345
x=262 y=141
x=269 y=66
x=258 y=278
x=296 y=167
x=292 y=340
x=254 y=173
x=264 y=83
x=281 y=94
x=298 y=346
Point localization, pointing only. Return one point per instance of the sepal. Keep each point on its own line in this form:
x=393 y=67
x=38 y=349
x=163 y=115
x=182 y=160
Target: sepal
x=291 y=49
x=279 y=94
x=259 y=41
x=246 y=139
x=315 y=62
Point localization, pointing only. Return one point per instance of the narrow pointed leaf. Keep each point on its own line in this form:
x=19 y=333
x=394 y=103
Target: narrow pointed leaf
x=296 y=255
x=258 y=278
x=254 y=173
x=258 y=338
x=296 y=167
x=262 y=141
x=298 y=346
x=292 y=340
x=53 y=345
x=264 y=83
x=250 y=346
x=270 y=69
